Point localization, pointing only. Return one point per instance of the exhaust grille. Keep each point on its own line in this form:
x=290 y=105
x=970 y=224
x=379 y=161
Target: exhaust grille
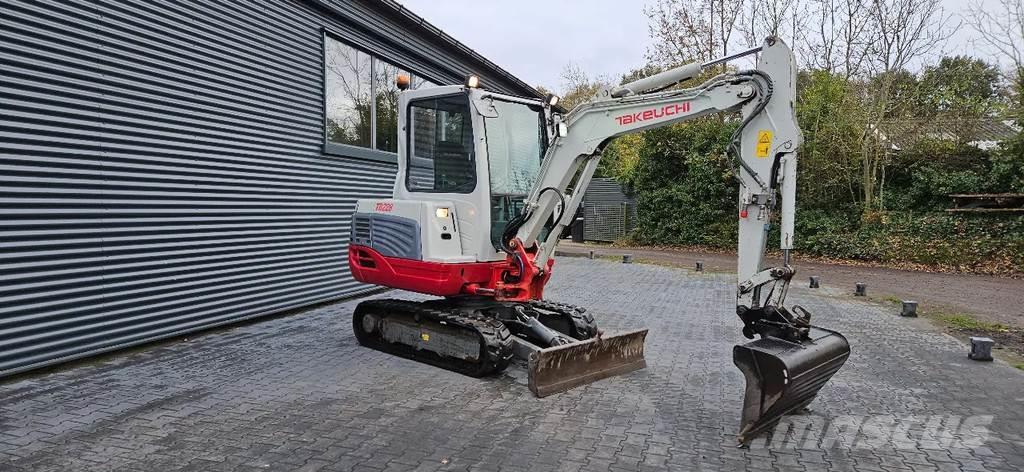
x=361 y=230
x=391 y=236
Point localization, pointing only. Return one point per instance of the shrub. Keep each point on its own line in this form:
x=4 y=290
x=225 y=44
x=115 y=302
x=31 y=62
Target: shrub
x=685 y=185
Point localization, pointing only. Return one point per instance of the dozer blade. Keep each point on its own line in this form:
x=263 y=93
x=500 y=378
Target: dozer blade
x=783 y=376
x=560 y=368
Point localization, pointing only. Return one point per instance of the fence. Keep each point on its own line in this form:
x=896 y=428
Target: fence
x=608 y=221
x=608 y=213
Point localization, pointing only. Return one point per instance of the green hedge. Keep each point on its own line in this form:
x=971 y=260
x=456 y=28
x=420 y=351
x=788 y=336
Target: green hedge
x=685 y=189
x=958 y=242
x=686 y=197
x=685 y=185
x=981 y=243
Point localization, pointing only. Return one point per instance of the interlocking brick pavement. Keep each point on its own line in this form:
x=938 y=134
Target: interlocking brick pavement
x=297 y=392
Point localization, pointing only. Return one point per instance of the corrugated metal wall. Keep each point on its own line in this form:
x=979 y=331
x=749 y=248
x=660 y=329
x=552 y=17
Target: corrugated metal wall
x=161 y=168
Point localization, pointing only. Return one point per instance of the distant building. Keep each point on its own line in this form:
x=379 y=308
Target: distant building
x=982 y=133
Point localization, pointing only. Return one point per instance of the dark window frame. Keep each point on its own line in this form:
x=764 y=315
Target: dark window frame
x=370 y=153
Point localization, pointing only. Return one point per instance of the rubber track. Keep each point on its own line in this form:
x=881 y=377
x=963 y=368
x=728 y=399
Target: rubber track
x=584 y=322
x=493 y=335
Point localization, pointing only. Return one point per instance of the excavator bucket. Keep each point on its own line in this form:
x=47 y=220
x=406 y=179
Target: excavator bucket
x=783 y=376
x=560 y=368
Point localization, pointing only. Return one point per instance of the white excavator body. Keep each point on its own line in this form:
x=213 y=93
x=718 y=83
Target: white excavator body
x=486 y=185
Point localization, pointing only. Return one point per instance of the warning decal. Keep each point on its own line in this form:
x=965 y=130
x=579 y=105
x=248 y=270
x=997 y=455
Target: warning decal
x=764 y=143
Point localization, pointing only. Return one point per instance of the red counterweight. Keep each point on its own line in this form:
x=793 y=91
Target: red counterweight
x=504 y=280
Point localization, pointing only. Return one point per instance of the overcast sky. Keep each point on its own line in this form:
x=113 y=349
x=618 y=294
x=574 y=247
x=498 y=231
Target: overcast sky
x=535 y=39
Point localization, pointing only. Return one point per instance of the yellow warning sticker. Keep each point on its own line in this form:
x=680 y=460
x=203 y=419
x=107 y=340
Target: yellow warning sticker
x=425 y=336
x=764 y=144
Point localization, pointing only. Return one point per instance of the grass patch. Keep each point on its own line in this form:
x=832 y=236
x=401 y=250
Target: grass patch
x=1009 y=339
x=967 y=322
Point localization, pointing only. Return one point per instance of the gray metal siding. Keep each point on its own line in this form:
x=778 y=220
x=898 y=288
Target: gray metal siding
x=161 y=171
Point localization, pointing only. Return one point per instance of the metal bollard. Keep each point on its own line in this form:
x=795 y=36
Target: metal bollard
x=591 y=254
x=815 y=282
x=700 y=266
x=981 y=349
x=909 y=309
x=627 y=258
x=861 y=289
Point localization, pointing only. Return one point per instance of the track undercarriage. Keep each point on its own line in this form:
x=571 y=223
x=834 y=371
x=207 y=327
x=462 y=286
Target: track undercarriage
x=478 y=337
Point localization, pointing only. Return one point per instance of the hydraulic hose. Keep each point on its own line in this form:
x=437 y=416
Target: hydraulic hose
x=765 y=89
x=512 y=227
x=561 y=198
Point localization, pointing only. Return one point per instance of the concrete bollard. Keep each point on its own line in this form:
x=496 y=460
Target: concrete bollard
x=860 y=289
x=627 y=258
x=591 y=254
x=981 y=349
x=700 y=266
x=815 y=283
x=909 y=309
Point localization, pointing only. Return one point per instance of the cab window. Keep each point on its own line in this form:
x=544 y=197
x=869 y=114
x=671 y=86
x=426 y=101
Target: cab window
x=440 y=157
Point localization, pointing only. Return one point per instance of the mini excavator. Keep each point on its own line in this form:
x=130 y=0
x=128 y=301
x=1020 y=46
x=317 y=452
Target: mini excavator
x=488 y=182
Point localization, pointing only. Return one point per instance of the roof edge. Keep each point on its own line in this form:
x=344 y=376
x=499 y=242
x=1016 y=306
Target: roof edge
x=429 y=28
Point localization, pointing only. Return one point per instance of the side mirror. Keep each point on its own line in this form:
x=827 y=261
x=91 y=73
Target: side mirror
x=563 y=130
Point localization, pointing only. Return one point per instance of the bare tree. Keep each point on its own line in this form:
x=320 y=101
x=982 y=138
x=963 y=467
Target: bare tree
x=868 y=44
x=1001 y=29
x=906 y=31
x=838 y=36
x=785 y=19
x=691 y=30
x=578 y=87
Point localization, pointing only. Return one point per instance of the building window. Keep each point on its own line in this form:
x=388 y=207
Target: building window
x=349 y=89
x=440 y=157
x=420 y=82
x=361 y=98
x=386 y=104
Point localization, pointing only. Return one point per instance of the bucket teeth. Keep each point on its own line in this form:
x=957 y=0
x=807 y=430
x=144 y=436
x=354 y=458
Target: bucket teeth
x=560 y=368
x=784 y=376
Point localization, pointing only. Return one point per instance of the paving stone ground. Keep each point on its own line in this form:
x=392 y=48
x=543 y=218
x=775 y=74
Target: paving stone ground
x=297 y=392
